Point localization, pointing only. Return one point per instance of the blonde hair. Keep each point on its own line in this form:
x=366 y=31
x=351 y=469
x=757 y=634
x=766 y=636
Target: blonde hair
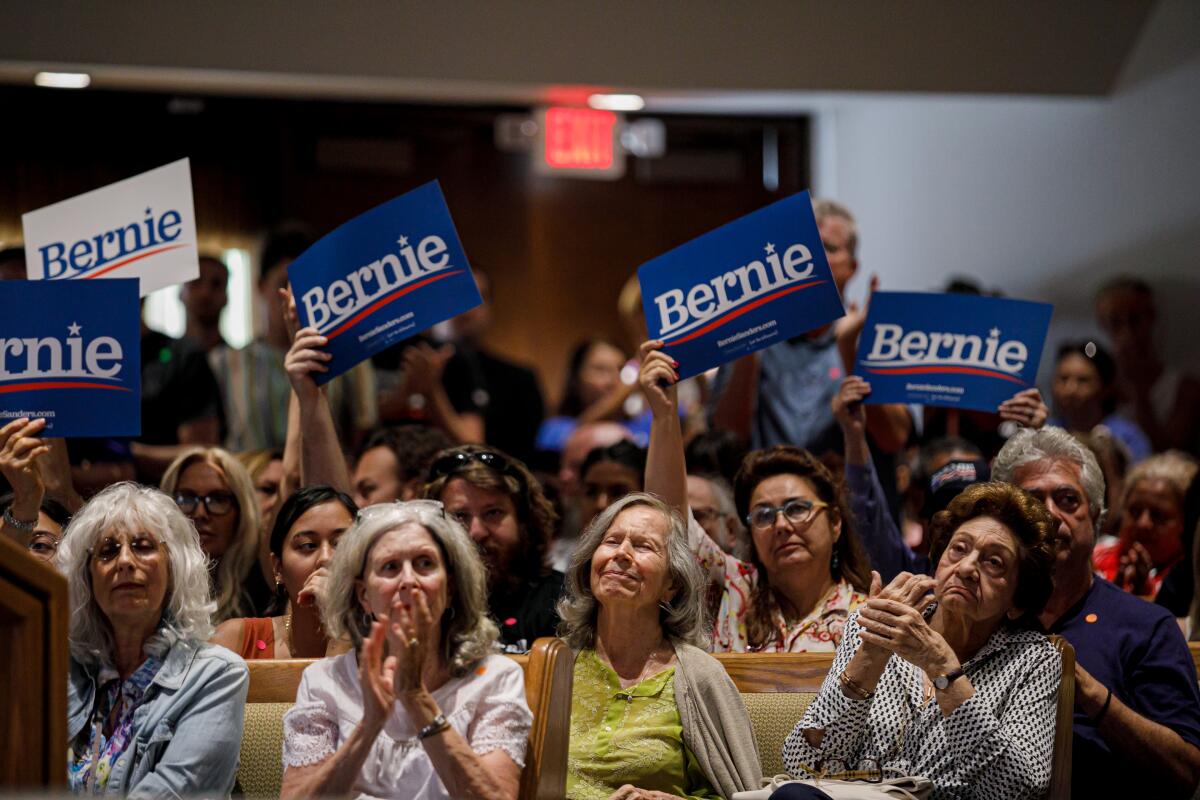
x=235 y=565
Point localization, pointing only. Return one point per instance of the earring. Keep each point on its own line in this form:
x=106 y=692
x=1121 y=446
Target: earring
x=834 y=561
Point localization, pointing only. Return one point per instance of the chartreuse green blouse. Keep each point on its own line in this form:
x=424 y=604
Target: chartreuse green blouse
x=631 y=735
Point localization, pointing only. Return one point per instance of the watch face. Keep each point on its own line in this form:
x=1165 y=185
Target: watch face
x=941 y=682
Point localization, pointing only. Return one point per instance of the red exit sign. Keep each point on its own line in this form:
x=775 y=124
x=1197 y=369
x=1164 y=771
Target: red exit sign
x=581 y=142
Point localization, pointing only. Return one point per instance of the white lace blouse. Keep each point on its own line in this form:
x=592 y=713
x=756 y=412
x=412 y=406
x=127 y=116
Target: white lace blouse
x=487 y=707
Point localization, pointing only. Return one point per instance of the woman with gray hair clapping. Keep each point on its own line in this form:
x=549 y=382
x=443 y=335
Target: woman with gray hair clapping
x=421 y=708
x=653 y=716
x=152 y=709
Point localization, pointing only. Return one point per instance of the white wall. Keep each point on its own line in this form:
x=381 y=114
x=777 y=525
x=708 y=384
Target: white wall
x=1041 y=198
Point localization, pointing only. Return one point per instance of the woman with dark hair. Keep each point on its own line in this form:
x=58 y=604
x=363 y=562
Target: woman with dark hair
x=1085 y=397
x=608 y=474
x=961 y=690
x=502 y=506
x=303 y=540
x=806 y=571
x=594 y=392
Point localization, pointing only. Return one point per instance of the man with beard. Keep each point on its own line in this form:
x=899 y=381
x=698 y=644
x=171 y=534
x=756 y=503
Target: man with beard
x=1137 y=707
x=503 y=508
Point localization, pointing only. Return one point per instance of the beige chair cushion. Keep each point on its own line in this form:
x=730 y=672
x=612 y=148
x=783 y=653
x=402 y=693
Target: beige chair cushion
x=774 y=715
x=260 y=772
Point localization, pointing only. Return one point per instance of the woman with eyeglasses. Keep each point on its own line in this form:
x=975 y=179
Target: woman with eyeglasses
x=215 y=492
x=510 y=519
x=806 y=570
x=153 y=711
x=422 y=707
x=304 y=537
x=948 y=678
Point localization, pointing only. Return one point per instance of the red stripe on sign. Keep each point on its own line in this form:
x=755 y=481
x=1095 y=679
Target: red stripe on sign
x=732 y=315
x=378 y=304
x=987 y=373
x=38 y=385
x=130 y=260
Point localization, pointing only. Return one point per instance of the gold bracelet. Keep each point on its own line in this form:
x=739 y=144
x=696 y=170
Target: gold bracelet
x=862 y=693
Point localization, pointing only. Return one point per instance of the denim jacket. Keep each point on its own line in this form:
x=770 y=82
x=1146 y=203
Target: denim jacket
x=187 y=732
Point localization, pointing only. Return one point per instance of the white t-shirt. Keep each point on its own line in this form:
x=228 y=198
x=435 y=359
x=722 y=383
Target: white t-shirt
x=486 y=707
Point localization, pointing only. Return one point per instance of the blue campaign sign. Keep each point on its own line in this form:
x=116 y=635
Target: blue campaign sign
x=953 y=350
x=383 y=277
x=70 y=352
x=747 y=285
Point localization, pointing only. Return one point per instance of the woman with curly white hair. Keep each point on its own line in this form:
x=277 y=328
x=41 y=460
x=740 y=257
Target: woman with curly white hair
x=152 y=709
x=422 y=707
x=653 y=715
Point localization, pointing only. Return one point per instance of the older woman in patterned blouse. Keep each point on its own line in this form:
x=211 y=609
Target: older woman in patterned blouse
x=806 y=572
x=962 y=691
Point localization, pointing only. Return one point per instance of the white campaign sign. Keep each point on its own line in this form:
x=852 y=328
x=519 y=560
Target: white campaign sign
x=142 y=227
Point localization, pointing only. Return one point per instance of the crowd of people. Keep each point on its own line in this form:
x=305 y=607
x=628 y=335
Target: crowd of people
x=422 y=515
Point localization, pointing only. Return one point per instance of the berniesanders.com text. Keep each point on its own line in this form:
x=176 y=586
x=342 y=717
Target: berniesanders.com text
x=748 y=332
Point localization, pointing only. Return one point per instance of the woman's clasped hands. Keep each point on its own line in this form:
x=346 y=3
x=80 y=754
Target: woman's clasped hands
x=408 y=634
x=892 y=621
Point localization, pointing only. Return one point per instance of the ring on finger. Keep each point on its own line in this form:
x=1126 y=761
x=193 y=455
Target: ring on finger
x=413 y=642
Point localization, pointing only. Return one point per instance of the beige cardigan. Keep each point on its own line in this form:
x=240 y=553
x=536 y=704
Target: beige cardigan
x=716 y=727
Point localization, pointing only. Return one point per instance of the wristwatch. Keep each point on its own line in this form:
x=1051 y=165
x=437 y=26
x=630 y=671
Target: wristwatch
x=435 y=727
x=941 y=682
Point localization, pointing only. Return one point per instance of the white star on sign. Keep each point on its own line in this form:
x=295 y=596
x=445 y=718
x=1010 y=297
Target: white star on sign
x=403 y=240
x=770 y=248
x=73 y=329
x=994 y=333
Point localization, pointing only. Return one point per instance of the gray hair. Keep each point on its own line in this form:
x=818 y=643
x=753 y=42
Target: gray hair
x=1028 y=446
x=684 y=619
x=187 y=610
x=1174 y=467
x=723 y=494
x=823 y=208
x=467 y=632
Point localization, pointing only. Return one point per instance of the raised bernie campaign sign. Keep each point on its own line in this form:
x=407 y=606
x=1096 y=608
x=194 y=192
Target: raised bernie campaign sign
x=70 y=353
x=383 y=277
x=143 y=227
x=953 y=350
x=747 y=285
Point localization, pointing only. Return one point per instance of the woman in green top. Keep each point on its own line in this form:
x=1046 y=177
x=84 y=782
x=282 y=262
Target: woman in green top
x=653 y=716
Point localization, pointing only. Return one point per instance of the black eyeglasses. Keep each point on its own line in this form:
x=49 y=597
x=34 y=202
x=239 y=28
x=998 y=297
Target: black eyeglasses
x=453 y=463
x=218 y=504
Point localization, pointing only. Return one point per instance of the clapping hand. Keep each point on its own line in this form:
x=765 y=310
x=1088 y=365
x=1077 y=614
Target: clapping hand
x=412 y=637
x=892 y=621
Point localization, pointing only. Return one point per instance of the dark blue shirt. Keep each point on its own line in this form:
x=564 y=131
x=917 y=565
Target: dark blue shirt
x=1136 y=649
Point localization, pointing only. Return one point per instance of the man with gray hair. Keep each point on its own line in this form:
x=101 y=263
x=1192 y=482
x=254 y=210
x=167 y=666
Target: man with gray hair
x=782 y=395
x=1137 y=706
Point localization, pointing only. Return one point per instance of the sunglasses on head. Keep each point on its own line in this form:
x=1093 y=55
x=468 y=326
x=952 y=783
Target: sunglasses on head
x=453 y=463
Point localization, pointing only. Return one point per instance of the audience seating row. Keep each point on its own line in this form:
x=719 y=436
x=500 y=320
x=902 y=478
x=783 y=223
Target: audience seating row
x=776 y=687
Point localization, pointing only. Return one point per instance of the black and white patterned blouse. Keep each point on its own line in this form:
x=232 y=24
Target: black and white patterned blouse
x=996 y=745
